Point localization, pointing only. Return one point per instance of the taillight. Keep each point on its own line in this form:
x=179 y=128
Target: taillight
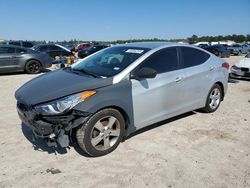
x=225 y=65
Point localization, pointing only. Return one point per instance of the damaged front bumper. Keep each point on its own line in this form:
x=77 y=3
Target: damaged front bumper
x=55 y=129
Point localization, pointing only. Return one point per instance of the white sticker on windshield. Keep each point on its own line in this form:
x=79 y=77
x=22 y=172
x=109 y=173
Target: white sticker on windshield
x=136 y=51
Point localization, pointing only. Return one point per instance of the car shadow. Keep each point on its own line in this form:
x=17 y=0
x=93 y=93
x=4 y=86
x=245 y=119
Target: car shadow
x=40 y=144
x=153 y=126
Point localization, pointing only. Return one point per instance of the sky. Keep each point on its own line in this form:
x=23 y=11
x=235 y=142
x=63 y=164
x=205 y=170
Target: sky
x=121 y=19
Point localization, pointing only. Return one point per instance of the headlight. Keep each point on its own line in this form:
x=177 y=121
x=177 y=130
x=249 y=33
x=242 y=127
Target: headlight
x=63 y=105
x=234 y=68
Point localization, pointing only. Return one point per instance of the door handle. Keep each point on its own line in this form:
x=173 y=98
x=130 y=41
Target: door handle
x=178 y=79
x=212 y=68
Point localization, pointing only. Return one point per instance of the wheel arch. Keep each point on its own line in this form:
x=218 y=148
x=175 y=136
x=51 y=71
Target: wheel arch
x=222 y=88
x=122 y=111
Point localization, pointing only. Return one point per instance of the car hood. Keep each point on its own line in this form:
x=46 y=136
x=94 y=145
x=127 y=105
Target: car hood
x=244 y=63
x=57 y=84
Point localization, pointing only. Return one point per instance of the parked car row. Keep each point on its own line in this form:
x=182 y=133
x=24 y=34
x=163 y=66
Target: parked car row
x=237 y=49
x=52 y=50
x=20 y=43
x=88 y=51
x=222 y=50
x=218 y=50
x=17 y=58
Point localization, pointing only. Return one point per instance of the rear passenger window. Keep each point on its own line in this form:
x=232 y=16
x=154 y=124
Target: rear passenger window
x=43 y=48
x=193 y=57
x=162 y=61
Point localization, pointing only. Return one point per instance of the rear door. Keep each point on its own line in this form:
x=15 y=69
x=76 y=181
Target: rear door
x=198 y=73
x=156 y=99
x=17 y=56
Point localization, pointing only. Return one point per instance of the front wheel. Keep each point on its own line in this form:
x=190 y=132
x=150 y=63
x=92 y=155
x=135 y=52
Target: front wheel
x=213 y=99
x=102 y=133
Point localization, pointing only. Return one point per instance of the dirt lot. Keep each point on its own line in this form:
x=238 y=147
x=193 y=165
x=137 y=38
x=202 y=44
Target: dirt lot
x=193 y=150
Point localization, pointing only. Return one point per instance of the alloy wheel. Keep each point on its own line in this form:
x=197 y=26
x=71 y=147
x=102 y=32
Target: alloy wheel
x=105 y=133
x=214 y=98
x=34 y=67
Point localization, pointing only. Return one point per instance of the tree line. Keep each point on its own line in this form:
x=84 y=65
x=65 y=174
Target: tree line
x=192 y=39
x=235 y=38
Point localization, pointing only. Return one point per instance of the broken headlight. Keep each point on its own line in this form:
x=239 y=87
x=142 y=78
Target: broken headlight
x=63 y=105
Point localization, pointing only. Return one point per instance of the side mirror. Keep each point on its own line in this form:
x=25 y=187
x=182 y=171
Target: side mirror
x=145 y=72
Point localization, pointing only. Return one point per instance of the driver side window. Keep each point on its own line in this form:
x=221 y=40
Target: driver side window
x=162 y=61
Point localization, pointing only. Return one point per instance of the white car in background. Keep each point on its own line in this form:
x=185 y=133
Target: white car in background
x=242 y=68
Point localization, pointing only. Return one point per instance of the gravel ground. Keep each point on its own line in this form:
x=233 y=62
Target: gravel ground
x=192 y=150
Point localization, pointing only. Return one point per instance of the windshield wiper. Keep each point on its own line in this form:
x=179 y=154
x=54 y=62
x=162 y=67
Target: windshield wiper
x=85 y=72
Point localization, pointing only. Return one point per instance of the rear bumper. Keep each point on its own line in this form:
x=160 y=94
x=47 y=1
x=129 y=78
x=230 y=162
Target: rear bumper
x=47 y=65
x=55 y=130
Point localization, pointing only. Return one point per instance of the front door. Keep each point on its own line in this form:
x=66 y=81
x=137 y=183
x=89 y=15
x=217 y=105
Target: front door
x=158 y=98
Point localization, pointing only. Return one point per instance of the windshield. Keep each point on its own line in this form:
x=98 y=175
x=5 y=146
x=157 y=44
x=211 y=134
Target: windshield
x=110 y=61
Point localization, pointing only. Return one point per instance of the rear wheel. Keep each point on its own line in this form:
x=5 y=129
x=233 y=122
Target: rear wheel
x=102 y=133
x=213 y=99
x=33 y=67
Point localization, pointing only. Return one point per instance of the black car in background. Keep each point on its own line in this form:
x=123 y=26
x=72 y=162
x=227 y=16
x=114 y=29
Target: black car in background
x=218 y=50
x=88 y=51
x=52 y=50
x=17 y=59
x=20 y=43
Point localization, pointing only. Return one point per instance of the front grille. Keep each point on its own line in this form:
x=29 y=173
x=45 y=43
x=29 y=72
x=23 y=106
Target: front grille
x=245 y=69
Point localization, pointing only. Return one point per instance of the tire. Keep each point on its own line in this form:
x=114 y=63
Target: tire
x=102 y=133
x=33 y=67
x=213 y=100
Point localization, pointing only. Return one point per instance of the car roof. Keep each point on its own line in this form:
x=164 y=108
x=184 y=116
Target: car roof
x=45 y=45
x=150 y=45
